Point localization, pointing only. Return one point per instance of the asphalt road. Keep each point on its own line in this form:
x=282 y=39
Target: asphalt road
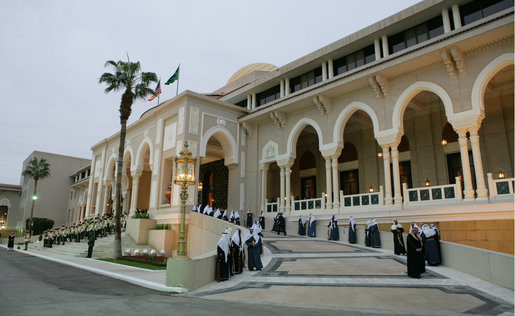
x=34 y=286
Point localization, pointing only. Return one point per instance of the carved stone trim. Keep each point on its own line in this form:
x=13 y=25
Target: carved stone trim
x=248 y=128
x=279 y=118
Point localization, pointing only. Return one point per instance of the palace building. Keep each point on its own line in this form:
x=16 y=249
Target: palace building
x=410 y=118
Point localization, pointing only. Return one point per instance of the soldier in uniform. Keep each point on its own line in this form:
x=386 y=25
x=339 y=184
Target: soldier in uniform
x=91 y=242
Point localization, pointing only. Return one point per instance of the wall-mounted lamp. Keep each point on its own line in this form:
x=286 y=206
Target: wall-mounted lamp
x=427 y=183
x=371 y=189
x=380 y=154
x=444 y=142
x=500 y=175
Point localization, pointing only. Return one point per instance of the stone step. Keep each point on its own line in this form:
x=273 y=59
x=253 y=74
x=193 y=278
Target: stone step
x=104 y=247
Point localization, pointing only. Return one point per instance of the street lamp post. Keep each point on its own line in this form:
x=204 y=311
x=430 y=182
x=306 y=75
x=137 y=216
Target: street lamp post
x=185 y=176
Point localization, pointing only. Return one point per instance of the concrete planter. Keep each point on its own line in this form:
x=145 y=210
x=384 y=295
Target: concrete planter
x=138 y=229
x=162 y=239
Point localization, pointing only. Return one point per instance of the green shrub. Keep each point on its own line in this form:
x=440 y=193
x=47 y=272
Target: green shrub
x=162 y=227
x=40 y=224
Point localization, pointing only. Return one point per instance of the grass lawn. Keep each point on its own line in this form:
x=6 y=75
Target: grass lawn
x=133 y=264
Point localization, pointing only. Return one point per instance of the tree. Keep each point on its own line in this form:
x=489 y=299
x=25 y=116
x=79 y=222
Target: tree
x=127 y=76
x=36 y=169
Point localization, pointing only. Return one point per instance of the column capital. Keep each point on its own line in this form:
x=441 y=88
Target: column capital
x=232 y=166
x=391 y=140
x=469 y=122
x=264 y=166
x=285 y=162
x=136 y=173
x=331 y=152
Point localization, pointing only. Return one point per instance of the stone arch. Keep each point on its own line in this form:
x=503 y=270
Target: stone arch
x=129 y=152
x=407 y=95
x=111 y=163
x=138 y=164
x=222 y=135
x=484 y=77
x=344 y=116
x=295 y=132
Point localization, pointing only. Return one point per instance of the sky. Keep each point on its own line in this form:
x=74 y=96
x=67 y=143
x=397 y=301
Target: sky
x=53 y=52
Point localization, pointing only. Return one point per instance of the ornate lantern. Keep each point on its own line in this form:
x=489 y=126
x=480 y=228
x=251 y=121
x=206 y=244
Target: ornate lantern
x=184 y=176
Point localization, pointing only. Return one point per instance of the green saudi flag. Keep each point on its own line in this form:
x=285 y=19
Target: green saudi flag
x=174 y=77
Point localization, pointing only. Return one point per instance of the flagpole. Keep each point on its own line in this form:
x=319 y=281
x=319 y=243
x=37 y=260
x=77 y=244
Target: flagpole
x=159 y=93
x=178 y=79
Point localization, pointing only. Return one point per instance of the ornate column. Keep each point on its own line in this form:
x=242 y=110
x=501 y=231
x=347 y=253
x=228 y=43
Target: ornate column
x=107 y=184
x=465 y=164
x=281 y=198
x=396 y=175
x=336 y=182
x=388 y=200
x=135 y=188
x=264 y=173
x=328 y=188
x=287 y=174
x=482 y=191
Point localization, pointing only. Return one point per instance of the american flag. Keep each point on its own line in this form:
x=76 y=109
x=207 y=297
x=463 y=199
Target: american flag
x=157 y=91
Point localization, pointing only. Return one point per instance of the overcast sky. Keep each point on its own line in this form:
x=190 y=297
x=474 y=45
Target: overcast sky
x=53 y=52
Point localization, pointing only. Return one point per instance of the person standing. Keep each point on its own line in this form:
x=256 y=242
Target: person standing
x=249 y=220
x=334 y=234
x=237 y=218
x=352 y=230
x=415 y=262
x=430 y=245
x=10 y=242
x=91 y=242
x=218 y=214
x=27 y=240
x=281 y=224
x=437 y=239
x=262 y=220
x=237 y=252
x=368 y=242
x=276 y=223
x=223 y=270
x=253 y=242
x=374 y=234
x=312 y=222
x=398 y=240
x=302 y=226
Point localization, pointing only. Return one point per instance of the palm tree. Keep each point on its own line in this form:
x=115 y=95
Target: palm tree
x=36 y=169
x=127 y=76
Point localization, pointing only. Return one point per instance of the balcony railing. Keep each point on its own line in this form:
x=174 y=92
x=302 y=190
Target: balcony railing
x=272 y=206
x=364 y=199
x=437 y=193
x=500 y=188
x=308 y=204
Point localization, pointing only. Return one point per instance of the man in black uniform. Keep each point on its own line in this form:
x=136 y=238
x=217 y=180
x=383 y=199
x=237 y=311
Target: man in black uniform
x=91 y=242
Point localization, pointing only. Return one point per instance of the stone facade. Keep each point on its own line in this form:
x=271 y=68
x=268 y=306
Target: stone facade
x=364 y=126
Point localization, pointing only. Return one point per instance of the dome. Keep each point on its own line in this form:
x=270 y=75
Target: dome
x=250 y=68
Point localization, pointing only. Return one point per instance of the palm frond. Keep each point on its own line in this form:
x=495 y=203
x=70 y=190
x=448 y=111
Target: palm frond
x=37 y=169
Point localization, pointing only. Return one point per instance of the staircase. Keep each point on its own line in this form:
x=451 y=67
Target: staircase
x=104 y=247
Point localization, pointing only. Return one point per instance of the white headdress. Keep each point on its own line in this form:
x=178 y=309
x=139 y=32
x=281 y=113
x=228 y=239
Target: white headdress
x=223 y=243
